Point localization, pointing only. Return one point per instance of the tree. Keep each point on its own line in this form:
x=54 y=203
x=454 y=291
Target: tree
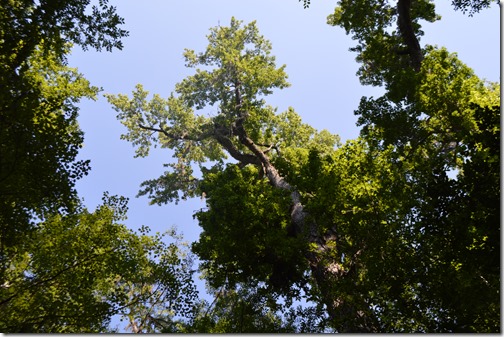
x=249 y=131
x=425 y=119
x=371 y=229
x=39 y=134
x=40 y=139
x=245 y=127
x=62 y=268
x=76 y=272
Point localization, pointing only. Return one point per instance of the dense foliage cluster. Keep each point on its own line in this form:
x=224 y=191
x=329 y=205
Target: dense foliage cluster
x=395 y=231
x=63 y=268
x=39 y=134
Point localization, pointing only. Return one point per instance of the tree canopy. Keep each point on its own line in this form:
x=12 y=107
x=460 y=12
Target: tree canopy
x=394 y=231
x=77 y=271
x=374 y=229
x=39 y=133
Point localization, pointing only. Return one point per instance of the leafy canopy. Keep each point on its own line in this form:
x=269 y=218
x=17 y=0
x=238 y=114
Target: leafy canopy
x=384 y=232
x=236 y=72
x=77 y=271
x=39 y=134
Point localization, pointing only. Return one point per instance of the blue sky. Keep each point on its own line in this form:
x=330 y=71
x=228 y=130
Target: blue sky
x=324 y=91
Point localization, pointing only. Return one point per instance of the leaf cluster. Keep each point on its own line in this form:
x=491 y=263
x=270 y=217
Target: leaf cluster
x=40 y=140
x=77 y=271
x=245 y=214
x=471 y=6
x=451 y=124
x=39 y=134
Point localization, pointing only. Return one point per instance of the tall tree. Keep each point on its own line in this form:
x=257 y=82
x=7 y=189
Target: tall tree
x=248 y=130
x=245 y=127
x=370 y=230
x=426 y=118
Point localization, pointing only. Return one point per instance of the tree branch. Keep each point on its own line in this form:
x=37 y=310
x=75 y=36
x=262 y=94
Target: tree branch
x=173 y=136
x=408 y=34
x=228 y=145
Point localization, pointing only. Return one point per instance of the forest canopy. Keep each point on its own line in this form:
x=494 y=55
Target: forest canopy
x=397 y=230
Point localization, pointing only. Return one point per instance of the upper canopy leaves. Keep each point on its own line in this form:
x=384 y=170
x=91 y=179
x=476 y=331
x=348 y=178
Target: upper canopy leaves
x=239 y=60
x=234 y=73
x=388 y=39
